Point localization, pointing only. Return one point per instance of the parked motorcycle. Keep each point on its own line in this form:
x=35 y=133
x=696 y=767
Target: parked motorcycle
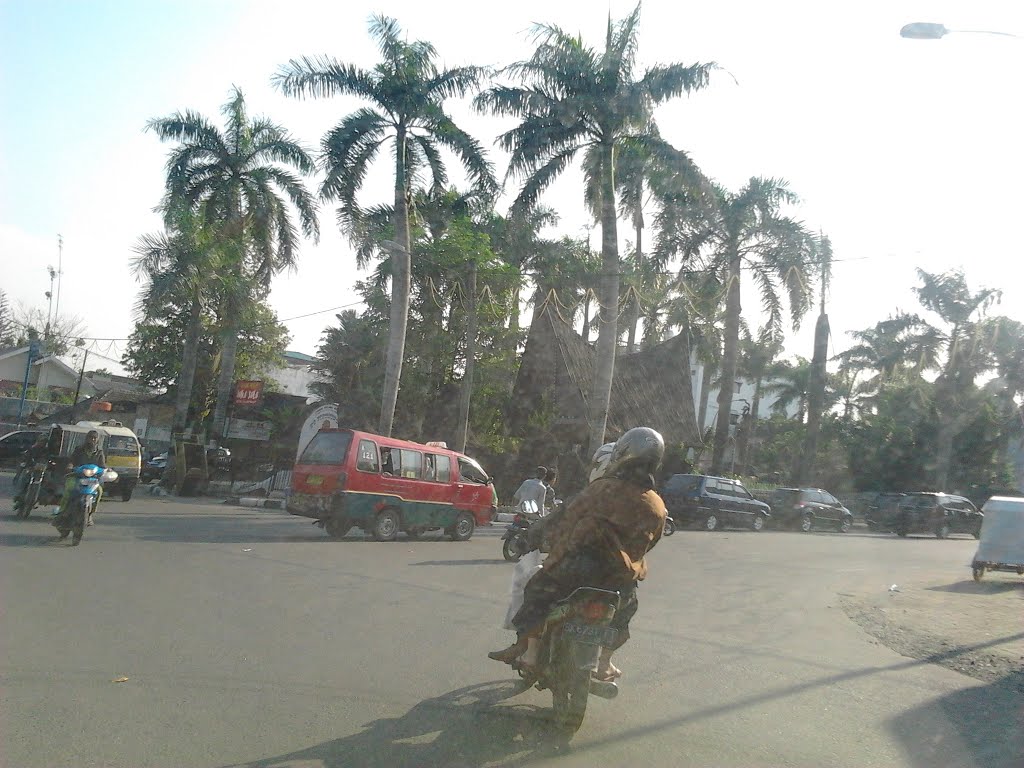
x=569 y=651
x=84 y=495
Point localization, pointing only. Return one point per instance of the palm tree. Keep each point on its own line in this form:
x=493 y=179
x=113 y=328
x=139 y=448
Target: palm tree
x=748 y=231
x=757 y=358
x=574 y=97
x=967 y=354
x=819 y=372
x=177 y=265
x=240 y=180
x=408 y=92
x=900 y=347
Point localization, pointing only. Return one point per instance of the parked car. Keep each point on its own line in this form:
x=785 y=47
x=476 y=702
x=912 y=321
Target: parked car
x=13 y=444
x=153 y=469
x=713 y=502
x=809 y=508
x=883 y=512
x=941 y=514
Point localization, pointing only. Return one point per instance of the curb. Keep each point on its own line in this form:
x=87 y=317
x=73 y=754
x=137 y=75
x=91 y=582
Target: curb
x=256 y=502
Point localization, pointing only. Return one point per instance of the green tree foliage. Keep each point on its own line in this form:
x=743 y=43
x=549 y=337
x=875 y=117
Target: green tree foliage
x=7 y=330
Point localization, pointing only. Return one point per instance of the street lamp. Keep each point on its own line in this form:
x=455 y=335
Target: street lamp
x=926 y=30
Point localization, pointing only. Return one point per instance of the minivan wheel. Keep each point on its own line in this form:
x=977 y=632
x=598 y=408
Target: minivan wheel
x=463 y=528
x=711 y=523
x=336 y=526
x=806 y=523
x=758 y=522
x=845 y=525
x=942 y=532
x=385 y=526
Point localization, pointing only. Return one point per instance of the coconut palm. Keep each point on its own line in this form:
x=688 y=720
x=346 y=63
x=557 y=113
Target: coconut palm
x=757 y=361
x=819 y=373
x=407 y=90
x=177 y=265
x=243 y=180
x=574 y=97
x=747 y=231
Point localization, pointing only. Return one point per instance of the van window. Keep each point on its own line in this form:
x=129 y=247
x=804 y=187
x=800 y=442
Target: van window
x=471 y=472
x=327 y=448
x=444 y=469
x=120 y=445
x=412 y=463
x=389 y=461
x=367 y=460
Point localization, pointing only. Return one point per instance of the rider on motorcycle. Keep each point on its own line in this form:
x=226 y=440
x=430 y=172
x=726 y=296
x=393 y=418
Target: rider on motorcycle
x=36 y=452
x=600 y=542
x=88 y=452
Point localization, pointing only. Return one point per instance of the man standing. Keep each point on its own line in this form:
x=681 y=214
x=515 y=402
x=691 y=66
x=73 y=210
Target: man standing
x=533 y=489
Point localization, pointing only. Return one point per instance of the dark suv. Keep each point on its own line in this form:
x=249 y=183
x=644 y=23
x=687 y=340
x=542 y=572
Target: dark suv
x=810 y=508
x=714 y=502
x=883 y=511
x=937 y=513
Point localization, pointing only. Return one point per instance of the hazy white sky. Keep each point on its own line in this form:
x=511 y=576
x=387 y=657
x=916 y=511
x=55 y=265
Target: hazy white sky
x=906 y=153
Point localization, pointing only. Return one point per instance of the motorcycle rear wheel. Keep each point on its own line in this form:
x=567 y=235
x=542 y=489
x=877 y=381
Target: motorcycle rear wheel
x=510 y=549
x=570 y=705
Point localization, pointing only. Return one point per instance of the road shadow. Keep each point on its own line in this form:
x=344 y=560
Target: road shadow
x=224 y=528
x=480 y=561
x=973 y=726
x=994 y=587
x=462 y=729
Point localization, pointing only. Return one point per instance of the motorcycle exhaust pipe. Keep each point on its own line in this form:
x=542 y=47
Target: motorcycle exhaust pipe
x=604 y=689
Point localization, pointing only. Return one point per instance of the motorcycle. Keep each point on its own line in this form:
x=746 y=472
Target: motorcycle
x=513 y=544
x=569 y=649
x=26 y=501
x=670 y=526
x=84 y=495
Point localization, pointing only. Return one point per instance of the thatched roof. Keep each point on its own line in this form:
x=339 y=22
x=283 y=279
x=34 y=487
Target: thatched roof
x=650 y=388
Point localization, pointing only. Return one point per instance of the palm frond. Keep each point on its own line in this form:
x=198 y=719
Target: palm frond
x=541 y=180
x=323 y=76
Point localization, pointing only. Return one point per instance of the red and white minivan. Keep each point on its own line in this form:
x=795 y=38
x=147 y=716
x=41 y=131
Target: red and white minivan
x=348 y=478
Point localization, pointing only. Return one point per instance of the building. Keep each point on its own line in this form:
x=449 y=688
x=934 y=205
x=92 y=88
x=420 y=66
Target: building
x=49 y=376
x=294 y=375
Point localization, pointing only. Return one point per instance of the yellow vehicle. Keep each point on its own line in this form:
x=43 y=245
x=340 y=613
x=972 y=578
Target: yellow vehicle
x=123 y=452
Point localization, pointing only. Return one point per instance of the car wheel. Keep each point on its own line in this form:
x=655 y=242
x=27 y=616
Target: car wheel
x=757 y=523
x=845 y=525
x=806 y=523
x=978 y=571
x=336 y=526
x=670 y=527
x=942 y=531
x=385 y=526
x=463 y=528
x=126 y=492
x=711 y=523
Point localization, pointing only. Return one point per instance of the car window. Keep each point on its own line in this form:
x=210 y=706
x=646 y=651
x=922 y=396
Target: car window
x=120 y=445
x=740 y=491
x=367 y=460
x=411 y=463
x=471 y=472
x=327 y=448
x=442 y=468
x=829 y=499
x=683 y=484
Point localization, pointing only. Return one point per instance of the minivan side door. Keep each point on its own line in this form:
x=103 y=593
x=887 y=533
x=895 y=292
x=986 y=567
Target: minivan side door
x=745 y=502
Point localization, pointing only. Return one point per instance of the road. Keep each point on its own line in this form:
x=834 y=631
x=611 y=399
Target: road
x=249 y=639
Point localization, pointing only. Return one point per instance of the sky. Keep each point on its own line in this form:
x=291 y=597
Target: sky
x=906 y=153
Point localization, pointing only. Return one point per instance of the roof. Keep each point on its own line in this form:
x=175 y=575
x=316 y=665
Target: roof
x=300 y=357
x=650 y=388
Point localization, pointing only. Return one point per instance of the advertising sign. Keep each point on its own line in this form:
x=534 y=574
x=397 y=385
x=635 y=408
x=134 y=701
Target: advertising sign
x=242 y=429
x=248 y=392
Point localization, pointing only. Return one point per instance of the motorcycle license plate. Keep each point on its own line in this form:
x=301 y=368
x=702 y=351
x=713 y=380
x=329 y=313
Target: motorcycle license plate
x=314 y=480
x=591 y=634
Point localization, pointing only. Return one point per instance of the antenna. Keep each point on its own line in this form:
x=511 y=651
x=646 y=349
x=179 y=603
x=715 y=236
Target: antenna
x=60 y=271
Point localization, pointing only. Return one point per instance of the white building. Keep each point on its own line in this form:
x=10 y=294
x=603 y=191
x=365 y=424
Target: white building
x=294 y=375
x=744 y=396
x=48 y=375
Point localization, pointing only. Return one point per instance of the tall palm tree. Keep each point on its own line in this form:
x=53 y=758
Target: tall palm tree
x=963 y=343
x=900 y=347
x=176 y=265
x=747 y=231
x=757 y=358
x=243 y=180
x=819 y=372
x=407 y=90
x=574 y=97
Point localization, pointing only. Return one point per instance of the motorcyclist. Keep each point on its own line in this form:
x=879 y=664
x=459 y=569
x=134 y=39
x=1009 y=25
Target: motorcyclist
x=600 y=542
x=88 y=452
x=35 y=452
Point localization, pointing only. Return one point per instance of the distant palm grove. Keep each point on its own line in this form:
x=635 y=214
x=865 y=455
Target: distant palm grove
x=454 y=270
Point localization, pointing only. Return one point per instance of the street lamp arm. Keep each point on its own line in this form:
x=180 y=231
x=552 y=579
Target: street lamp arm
x=926 y=30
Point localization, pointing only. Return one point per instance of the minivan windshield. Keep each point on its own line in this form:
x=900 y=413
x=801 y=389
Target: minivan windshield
x=327 y=448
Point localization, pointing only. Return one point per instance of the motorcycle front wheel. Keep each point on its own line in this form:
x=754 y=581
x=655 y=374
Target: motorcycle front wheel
x=29 y=500
x=670 y=526
x=510 y=549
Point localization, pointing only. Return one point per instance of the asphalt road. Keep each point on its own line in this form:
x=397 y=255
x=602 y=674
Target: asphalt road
x=249 y=638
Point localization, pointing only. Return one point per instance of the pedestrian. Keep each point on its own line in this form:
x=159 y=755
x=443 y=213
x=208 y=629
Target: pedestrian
x=532 y=492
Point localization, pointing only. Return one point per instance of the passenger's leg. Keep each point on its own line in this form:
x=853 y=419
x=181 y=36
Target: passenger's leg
x=605 y=669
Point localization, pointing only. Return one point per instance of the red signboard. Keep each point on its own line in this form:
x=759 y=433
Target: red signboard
x=248 y=392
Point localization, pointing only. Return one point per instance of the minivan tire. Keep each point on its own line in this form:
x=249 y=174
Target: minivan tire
x=757 y=523
x=942 y=530
x=712 y=523
x=807 y=523
x=845 y=524
x=463 y=528
x=386 y=525
x=336 y=526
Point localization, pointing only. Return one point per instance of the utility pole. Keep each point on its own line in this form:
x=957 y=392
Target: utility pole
x=33 y=352
x=78 y=387
x=60 y=270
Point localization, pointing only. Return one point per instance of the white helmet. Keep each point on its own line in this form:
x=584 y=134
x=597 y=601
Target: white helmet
x=599 y=464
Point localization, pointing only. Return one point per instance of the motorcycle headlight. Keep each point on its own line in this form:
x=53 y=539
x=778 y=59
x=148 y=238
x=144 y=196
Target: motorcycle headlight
x=88 y=472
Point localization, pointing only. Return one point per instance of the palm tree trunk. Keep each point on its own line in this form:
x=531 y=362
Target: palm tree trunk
x=746 y=436
x=730 y=356
x=186 y=378
x=467 y=380
x=225 y=378
x=608 y=306
x=815 y=398
x=400 y=287
x=705 y=394
x=585 y=333
x=634 y=317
